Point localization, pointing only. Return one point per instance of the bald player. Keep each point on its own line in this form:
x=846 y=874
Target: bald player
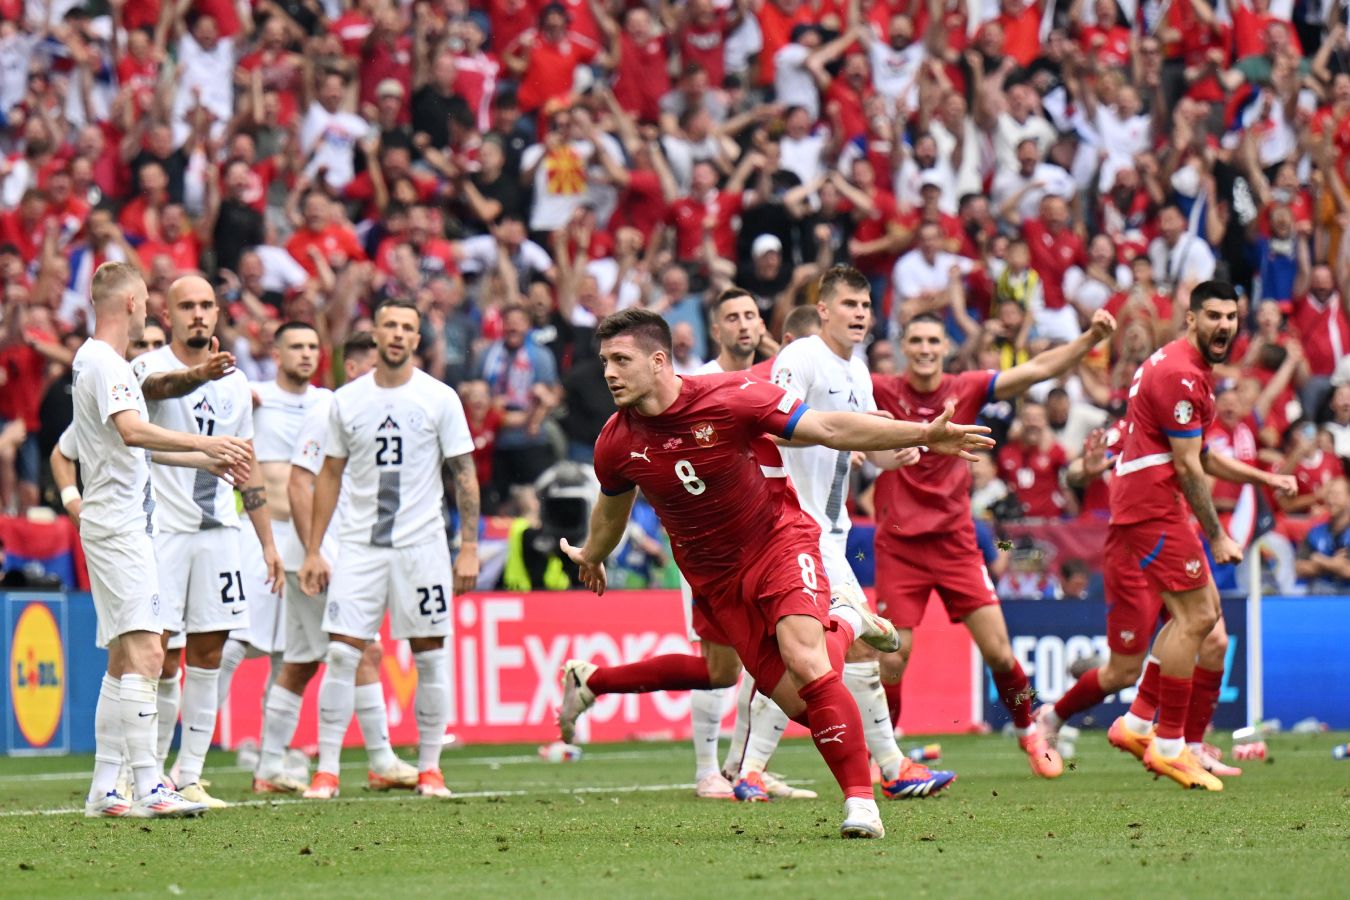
x=112 y=437
x=192 y=387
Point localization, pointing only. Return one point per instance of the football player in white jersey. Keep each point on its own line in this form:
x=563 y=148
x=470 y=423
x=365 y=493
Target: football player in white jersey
x=827 y=373
x=305 y=640
x=391 y=432
x=192 y=387
x=741 y=335
x=112 y=435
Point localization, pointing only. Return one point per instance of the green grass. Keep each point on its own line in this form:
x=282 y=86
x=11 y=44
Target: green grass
x=532 y=829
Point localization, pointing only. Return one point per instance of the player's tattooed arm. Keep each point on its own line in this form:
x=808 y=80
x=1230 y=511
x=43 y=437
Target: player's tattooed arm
x=1190 y=469
x=254 y=498
x=181 y=382
x=465 y=477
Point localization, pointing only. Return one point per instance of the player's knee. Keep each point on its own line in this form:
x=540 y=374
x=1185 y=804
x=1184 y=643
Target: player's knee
x=1120 y=672
x=858 y=652
x=169 y=668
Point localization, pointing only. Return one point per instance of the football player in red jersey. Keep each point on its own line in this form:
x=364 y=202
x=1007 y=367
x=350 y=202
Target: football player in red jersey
x=925 y=536
x=1163 y=469
x=1132 y=611
x=739 y=536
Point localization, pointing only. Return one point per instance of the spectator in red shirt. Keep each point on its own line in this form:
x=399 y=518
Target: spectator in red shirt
x=844 y=96
x=476 y=72
x=320 y=236
x=484 y=420
x=176 y=240
x=435 y=254
x=1108 y=41
x=1021 y=21
x=1252 y=23
x=707 y=212
x=24 y=227
x=509 y=19
x=642 y=64
x=1055 y=248
x=387 y=53
x=140 y=218
x=28 y=341
x=1031 y=465
x=275 y=67
x=1321 y=316
x=1310 y=456
x=544 y=59
x=702 y=32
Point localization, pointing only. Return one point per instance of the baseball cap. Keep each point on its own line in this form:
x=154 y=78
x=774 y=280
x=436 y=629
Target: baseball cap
x=389 y=87
x=930 y=178
x=765 y=243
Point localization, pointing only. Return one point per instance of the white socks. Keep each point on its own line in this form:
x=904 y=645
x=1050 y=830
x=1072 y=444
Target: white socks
x=846 y=613
x=1136 y=724
x=281 y=716
x=1169 y=748
x=374 y=719
x=705 y=713
x=431 y=706
x=107 y=737
x=230 y=658
x=863 y=680
x=139 y=720
x=200 y=699
x=167 y=699
x=741 y=729
x=337 y=697
x=767 y=724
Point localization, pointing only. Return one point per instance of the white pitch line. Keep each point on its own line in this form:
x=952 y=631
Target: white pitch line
x=466 y=795
x=446 y=763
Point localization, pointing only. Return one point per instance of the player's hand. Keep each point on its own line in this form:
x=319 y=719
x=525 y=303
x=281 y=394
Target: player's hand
x=1103 y=325
x=945 y=437
x=1284 y=485
x=219 y=363
x=314 y=574
x=231 y=450
x=592 y=574
x=276 y=572
x=233 y=474
x=907 y=457
x=1226 y=550
x=1095 y=461
x=466 y=569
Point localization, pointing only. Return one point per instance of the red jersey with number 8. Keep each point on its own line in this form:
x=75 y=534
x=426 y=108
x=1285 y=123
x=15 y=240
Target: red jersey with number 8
x=1172 y=396
x=717 y=485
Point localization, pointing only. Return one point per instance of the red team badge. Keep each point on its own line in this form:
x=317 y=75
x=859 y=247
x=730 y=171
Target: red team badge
x=704 y=434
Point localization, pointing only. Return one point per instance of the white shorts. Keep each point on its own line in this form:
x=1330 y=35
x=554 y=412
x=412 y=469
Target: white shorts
x=266 y=629
x=125 y=584
x=306 y=641
x=201 y=581
x=413 y=583
x=834 y=554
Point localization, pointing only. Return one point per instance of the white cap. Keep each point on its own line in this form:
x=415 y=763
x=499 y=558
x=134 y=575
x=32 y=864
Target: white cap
x=931 y=176
x=764 y=244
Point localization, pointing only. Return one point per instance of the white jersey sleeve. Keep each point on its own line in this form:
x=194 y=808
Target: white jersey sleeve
x=67 y=444
x=193 y=499
x=825 y=381
x=118 y=498
x=395 y=441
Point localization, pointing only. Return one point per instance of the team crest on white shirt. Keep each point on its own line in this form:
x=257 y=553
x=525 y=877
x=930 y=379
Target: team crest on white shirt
x=704 y=434
x=1183 y=412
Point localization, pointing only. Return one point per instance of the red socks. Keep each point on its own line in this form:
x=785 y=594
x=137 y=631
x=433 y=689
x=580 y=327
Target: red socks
x=1015 y=691
x=1086 y=693
x=1146 y=700
x=672 y=672
x=1174 y=702
x=1205 y=685
x=837 y=729
x=893 y=701
x=838 y=638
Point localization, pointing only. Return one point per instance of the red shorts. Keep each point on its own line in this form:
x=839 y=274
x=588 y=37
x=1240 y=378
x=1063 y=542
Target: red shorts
x=742 y=611
x=949 y=564
x=1132 y=604
x=1166 y=551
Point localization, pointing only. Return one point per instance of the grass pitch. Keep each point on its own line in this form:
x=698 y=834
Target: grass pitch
x=623 y=822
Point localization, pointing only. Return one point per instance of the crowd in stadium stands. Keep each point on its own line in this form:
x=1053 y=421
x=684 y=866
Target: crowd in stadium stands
x=521 y=169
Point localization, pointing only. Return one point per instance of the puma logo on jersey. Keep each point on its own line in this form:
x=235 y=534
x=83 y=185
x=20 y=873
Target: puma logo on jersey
x=1190 y=385
x=633 y=454
x=747 y=384
x=388 y=424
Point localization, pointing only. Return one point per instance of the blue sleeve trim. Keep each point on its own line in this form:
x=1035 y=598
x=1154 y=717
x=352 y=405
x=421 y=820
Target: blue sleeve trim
x=791 y=425
x=1183 y=433
x=609 y=493
x=993 y=384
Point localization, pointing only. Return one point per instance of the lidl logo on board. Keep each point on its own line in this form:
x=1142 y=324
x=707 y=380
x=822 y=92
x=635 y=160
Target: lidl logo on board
x=37 y=674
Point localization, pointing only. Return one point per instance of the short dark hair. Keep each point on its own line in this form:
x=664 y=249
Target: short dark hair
x=802 y=319
x=293 y=325
x=395 y=303
x=648 y=329
x=842 y=276
x=731 y=293
x=925 y=317
x=1212 y=290
x=358 y=342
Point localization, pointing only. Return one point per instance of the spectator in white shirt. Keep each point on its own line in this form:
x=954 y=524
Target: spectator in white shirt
x=800 y=150
x=1017 y=192
x=922 y=280
x=1178 y=255
x=330 y=132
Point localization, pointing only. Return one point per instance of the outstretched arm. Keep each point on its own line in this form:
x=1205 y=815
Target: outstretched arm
x=1228 y=469
x=1055 y=361
x=862 y=431
x=609 y=522
x=181 y=382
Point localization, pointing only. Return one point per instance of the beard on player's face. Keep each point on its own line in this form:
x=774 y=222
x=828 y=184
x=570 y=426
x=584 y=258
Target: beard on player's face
x=1215 y=341
x=198 y=341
